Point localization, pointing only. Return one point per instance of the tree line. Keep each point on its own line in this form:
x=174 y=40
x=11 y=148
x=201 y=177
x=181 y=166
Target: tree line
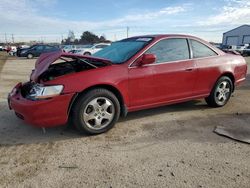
x=87 y=37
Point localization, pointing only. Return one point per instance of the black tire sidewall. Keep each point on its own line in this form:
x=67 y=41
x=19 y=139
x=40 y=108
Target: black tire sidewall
x=80 y=105
x=87 y=53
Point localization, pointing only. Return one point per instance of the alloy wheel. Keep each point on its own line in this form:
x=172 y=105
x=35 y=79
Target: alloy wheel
x=99 y=113
x=222 y=92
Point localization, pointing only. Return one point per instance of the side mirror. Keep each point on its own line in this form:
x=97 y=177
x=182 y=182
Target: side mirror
x=148 y=59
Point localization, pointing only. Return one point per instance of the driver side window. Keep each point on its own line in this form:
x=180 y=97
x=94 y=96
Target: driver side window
x=39 y=48
x=170 y=50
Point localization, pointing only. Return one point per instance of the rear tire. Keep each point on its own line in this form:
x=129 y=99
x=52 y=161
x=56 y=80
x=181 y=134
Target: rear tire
x=95 y=112
x=221 y=92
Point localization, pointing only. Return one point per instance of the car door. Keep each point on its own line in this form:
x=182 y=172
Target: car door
x=50 y=49
x=208 y=67
x=38 y=50
x=141 y=85
x=170 y=78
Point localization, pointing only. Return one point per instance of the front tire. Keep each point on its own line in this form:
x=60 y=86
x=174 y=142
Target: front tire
x=96 y=112
x=29 y=56
x=87 y=54
x=221 y=92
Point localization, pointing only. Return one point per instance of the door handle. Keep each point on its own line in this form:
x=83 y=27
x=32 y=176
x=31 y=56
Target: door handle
x=189 y=69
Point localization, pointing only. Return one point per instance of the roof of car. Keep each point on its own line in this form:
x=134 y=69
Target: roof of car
x=165 y=35
x=162 y=36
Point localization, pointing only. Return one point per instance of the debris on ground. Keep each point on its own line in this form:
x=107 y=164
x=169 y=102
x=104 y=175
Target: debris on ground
x=68 y=167
x=239 y=133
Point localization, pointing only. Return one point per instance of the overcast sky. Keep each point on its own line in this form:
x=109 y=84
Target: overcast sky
x=50 y=20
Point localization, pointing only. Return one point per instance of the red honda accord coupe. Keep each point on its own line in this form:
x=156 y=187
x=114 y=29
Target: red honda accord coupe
x=137 y=73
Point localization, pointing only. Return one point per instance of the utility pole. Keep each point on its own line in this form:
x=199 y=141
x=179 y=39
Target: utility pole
x=127 y=31
x=12 y=36
x=5 y=38
x=62 y=39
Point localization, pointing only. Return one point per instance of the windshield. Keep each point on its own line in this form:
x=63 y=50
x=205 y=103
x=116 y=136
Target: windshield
x=87 y=46
x=121 y=51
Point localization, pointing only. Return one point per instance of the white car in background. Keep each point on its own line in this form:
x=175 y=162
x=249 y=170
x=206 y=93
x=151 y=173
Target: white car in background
x=68 y=48
x=91 y=49
x=13 y=50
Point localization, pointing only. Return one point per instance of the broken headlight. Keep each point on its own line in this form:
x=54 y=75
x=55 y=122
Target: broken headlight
x=39 y=91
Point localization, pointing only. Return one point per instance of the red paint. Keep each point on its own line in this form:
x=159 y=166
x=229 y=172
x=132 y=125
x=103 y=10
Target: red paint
x=45 y=113
x=141 y=86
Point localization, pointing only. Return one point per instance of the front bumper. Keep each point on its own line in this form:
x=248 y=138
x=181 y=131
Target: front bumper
x=44 y=113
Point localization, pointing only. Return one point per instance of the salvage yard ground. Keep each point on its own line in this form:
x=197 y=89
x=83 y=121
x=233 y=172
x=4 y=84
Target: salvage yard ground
x=171 y=146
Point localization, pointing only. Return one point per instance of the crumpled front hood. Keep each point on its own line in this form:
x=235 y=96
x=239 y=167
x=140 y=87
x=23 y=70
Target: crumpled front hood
x=46 y=59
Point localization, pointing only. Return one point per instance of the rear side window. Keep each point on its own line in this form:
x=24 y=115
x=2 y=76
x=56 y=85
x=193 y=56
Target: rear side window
x=200 y=50
x=39 y=48
x=48 y=47
x=170 y=50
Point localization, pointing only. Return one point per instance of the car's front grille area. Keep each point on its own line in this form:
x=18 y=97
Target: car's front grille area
x=26 y=89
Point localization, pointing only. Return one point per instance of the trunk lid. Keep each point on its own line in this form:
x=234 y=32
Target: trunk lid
x=46 y=59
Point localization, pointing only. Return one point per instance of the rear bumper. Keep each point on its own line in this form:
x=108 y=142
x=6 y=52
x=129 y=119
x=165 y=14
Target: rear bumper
x=45 y=113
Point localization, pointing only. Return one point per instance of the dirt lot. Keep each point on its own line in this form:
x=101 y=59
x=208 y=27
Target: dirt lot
x=172 y=146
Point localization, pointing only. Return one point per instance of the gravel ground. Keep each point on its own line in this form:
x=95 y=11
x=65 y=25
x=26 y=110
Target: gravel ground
x=172 y=146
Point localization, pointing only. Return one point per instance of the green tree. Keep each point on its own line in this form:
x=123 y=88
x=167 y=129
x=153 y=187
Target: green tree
x=89 y=38
x=71 y=38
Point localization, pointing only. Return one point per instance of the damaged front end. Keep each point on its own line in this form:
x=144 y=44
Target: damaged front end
x=34 y=91
x=41 y=103
x=53 y=65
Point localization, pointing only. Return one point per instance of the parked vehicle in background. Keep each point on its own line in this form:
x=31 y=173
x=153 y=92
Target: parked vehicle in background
x=68 y=48
x=13 y=50
x=8 y=49
x=91 y=49
x=240 y=49
x=217 y=46
x=73 y=51
x=20 y=48
x=246 y=51
x=37 y=50
x=137 y=73
x=227 y=48
x=24 y=46
x=1 y=48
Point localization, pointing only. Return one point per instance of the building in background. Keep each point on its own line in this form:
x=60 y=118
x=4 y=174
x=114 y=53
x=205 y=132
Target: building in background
x=237 y=36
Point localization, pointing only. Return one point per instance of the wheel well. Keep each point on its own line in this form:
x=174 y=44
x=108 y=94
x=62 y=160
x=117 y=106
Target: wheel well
x=87 y=52
x=114 y=90
x=231 y=76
